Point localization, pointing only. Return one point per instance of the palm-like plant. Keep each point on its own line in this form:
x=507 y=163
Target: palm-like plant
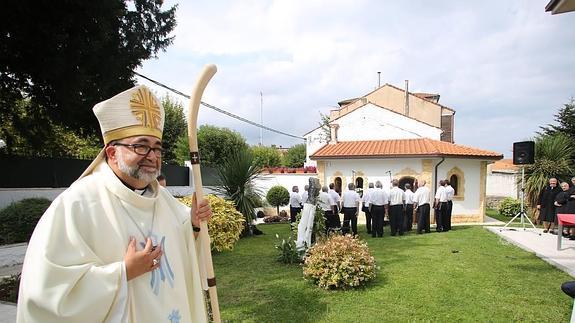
x=237 y=175
x=552 y=159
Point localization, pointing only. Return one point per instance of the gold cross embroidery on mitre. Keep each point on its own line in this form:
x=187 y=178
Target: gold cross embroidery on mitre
x=145 y=108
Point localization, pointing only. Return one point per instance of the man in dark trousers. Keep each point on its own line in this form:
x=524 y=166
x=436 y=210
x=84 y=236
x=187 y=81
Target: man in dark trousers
x=421 y=202
x=546 y=205
x=440 y=207
x=378 y=203
x=365 y=209
x=396 y=208
x=450 y=192
x=408 y=217
x=350 y=205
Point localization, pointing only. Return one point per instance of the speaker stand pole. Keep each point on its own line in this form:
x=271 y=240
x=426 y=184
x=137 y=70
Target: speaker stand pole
x=521 y=213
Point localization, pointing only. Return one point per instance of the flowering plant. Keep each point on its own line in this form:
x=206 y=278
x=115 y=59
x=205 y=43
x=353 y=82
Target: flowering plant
x=339 y=262
x=226 y=223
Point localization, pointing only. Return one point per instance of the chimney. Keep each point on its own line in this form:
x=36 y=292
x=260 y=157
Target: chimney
x=407 y=98
x=333 y=133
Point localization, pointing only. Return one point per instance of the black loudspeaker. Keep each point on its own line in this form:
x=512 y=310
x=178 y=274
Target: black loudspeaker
x=523 y=152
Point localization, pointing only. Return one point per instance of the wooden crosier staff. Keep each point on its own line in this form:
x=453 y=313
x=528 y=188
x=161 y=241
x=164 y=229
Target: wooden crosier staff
x=194 y=107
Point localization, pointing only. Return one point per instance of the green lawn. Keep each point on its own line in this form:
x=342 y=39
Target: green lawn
x=493 y=213
x=468 y=274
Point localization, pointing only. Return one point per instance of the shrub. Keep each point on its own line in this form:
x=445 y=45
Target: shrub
x=226 y=223
x=509 y=206
x=339 y=262
x=284 y=214
x=278 y=196
x=9 y=288
x=260 y=214
x=287 y=251
x=18 y=220
x=275 y=219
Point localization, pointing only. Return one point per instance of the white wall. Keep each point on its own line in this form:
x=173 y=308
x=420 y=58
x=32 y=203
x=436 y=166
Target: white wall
x=376 y=169
x=266 y=181
x=471 y=170
x=371 y=122
x=10 y=195
x=502 y=184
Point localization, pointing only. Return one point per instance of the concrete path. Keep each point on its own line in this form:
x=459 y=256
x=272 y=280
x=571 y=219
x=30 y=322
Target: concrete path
x=11 y=259
x=544 y=245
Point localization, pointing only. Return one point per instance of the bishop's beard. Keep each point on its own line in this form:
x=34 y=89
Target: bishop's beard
x=135 y=171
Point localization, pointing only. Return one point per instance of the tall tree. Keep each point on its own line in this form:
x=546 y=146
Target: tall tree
x=295 y=156
x=175 y=127
x=266 y=156
x=217 y=144
x=565 y=119
x=65 y=56
x=552 y=159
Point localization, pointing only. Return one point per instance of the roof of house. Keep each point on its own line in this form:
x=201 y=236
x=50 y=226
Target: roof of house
x=504 y=166
x=403 y=148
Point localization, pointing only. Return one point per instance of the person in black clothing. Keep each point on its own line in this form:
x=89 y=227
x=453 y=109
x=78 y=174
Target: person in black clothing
x=546 y=205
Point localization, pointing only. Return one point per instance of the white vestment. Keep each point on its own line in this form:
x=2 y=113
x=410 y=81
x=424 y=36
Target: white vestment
x=305 y=227
x=74 y=269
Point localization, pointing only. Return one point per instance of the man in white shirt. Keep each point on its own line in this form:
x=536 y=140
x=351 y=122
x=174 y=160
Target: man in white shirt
x=396 y=200
x=440 y=207
x=450 y=193
x=304 y=195
x=421 y=203
x=350 y=202
x=328 y=207
x=294 y=203
x=336 y=198
x=408 y=218
x=378 y=204
x=365 y=208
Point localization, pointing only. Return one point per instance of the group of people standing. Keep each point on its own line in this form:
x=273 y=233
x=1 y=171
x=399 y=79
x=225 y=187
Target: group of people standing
x=556 y=199
x=400 y=205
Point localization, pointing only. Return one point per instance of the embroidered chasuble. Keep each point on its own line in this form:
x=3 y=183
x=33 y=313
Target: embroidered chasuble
x=80 y=275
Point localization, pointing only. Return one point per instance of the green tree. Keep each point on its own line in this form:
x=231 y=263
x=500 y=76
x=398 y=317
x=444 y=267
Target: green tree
x=66 y=56
x=175 y=127
x=565 y=120
x=295 y=156
x=324 y=125
x=60 y=141
x=217 y=144
x=266 y=156
x=278 y=196
x=552 y=159
x=237 y=173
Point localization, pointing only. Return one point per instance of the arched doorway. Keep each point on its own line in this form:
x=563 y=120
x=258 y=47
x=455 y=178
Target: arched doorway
x=337 y=184
x=453 y=181
x=405 y=180
x=359 y=186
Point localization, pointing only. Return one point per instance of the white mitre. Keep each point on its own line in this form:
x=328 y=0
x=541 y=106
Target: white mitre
x=134 y=112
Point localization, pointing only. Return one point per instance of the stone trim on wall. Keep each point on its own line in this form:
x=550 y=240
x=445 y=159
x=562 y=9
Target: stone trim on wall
x=460 y=196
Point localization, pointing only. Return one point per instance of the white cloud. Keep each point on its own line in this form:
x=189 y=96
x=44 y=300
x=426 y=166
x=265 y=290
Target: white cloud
x=505 y=67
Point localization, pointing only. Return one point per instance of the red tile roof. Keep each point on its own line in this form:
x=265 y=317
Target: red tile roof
x=423 y=147
x=504 y=165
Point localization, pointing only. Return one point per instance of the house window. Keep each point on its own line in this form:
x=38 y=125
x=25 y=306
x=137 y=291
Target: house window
x=359 y=186
x=453 y=181
x=456 y=179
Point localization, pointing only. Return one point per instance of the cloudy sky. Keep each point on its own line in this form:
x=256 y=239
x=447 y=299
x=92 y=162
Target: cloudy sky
x=506 y=67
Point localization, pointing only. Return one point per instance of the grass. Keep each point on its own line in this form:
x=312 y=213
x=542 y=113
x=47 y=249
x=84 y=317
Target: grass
x=468 y=274
x=493 y=213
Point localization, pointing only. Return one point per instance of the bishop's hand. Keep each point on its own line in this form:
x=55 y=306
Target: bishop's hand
x=201 y=211
x=143 y=261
